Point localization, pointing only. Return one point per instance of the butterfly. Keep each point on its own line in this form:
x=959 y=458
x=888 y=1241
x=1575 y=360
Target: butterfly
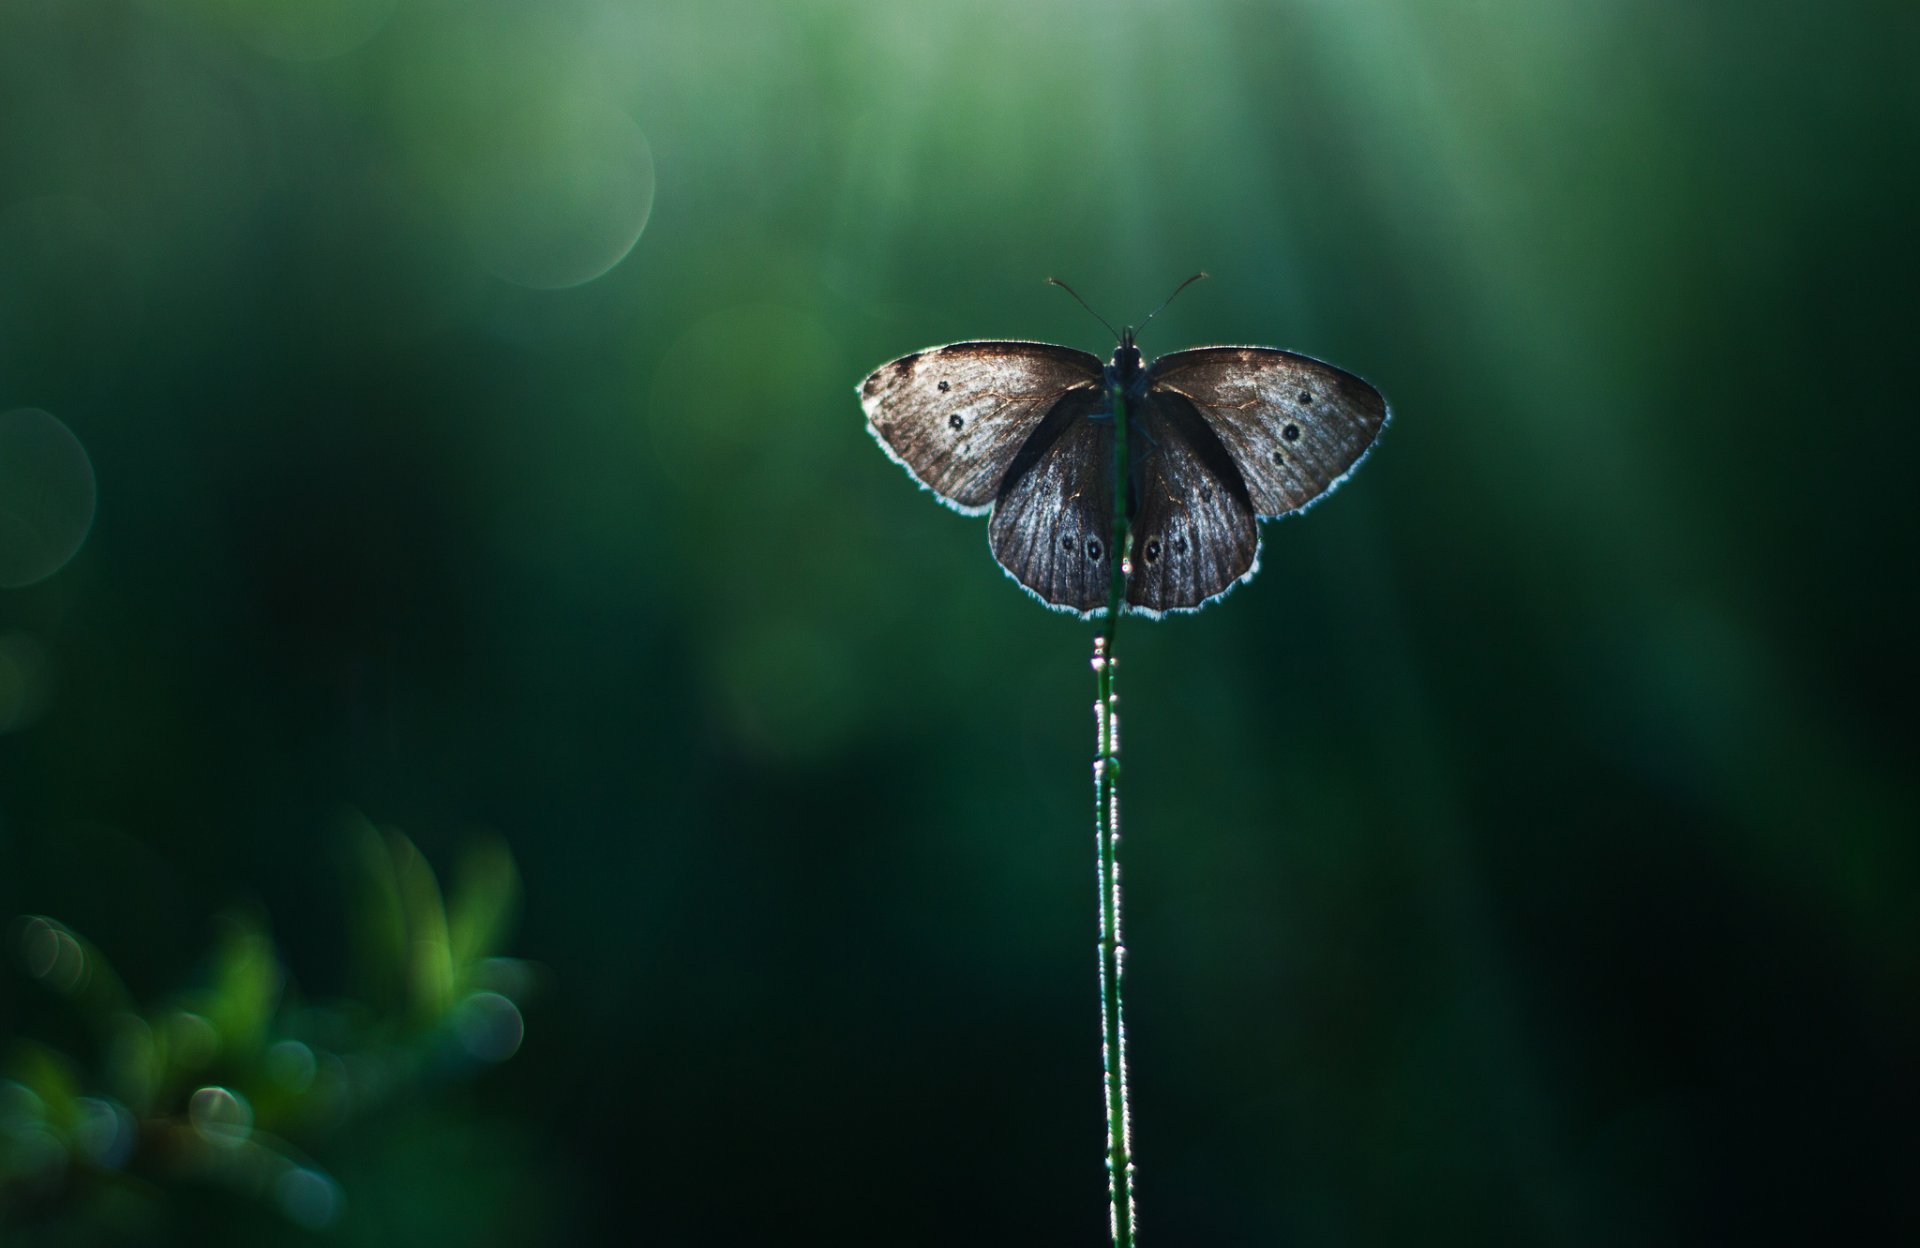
x=1218 y=438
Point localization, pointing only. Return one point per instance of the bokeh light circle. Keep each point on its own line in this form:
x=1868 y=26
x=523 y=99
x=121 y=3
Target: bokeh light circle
x=46 y=496
x=311 y=1199
x=489 y=1026
x=557 y=191
x=26 y=681
x=221 y=1116
x=34 y=1155
x=105 y=1131
x=53 y=955
x=190 y=1039
x=291 y=1065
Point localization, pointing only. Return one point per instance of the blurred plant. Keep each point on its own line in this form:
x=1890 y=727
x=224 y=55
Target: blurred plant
x=227 y=1085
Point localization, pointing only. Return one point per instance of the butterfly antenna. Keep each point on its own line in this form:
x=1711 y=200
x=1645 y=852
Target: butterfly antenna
x=1169 y=299
x=1089 y=307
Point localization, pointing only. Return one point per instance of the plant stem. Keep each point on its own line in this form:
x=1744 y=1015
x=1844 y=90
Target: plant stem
x=1106 y=785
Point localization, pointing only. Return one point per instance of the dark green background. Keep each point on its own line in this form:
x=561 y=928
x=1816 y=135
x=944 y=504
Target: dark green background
x=1527 y=856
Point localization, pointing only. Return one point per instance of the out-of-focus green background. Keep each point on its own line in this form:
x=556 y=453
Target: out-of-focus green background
x=1527 y=856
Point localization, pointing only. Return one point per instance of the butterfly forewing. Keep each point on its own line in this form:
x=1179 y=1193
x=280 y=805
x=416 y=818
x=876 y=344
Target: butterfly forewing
x=956 y=416
x=1294 y=426
x=1194 y=532
x=1220 y=437
x=1052 y=523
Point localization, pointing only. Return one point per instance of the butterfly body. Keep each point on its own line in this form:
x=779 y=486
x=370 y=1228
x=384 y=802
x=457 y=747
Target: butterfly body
x=1217 y=439
x=1126 y=370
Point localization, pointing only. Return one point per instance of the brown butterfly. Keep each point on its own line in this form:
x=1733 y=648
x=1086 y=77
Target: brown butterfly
x=1217 y=438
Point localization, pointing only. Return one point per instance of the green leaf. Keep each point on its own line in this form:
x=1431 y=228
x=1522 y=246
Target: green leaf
x=429 y=947
x=486 y=899
x=246 y=988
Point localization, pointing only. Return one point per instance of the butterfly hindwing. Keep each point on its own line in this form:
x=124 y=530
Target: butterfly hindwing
x=1052 y=522
x=1194 y=532
x=1294 y=426
x=1220 y=438
x=957 y=416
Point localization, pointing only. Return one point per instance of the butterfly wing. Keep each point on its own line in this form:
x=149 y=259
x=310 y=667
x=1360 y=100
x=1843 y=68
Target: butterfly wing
x=957 y=416
x=1194 y=532
x=1295 y=427
x=1052 y=523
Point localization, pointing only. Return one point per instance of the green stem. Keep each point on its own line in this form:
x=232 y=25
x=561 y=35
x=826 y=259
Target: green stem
x=1106 y=784
x=1117 y=586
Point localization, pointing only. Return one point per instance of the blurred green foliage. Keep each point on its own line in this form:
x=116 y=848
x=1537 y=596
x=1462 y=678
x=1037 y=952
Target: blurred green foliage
x=1525 y=857
x=238 y=1085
